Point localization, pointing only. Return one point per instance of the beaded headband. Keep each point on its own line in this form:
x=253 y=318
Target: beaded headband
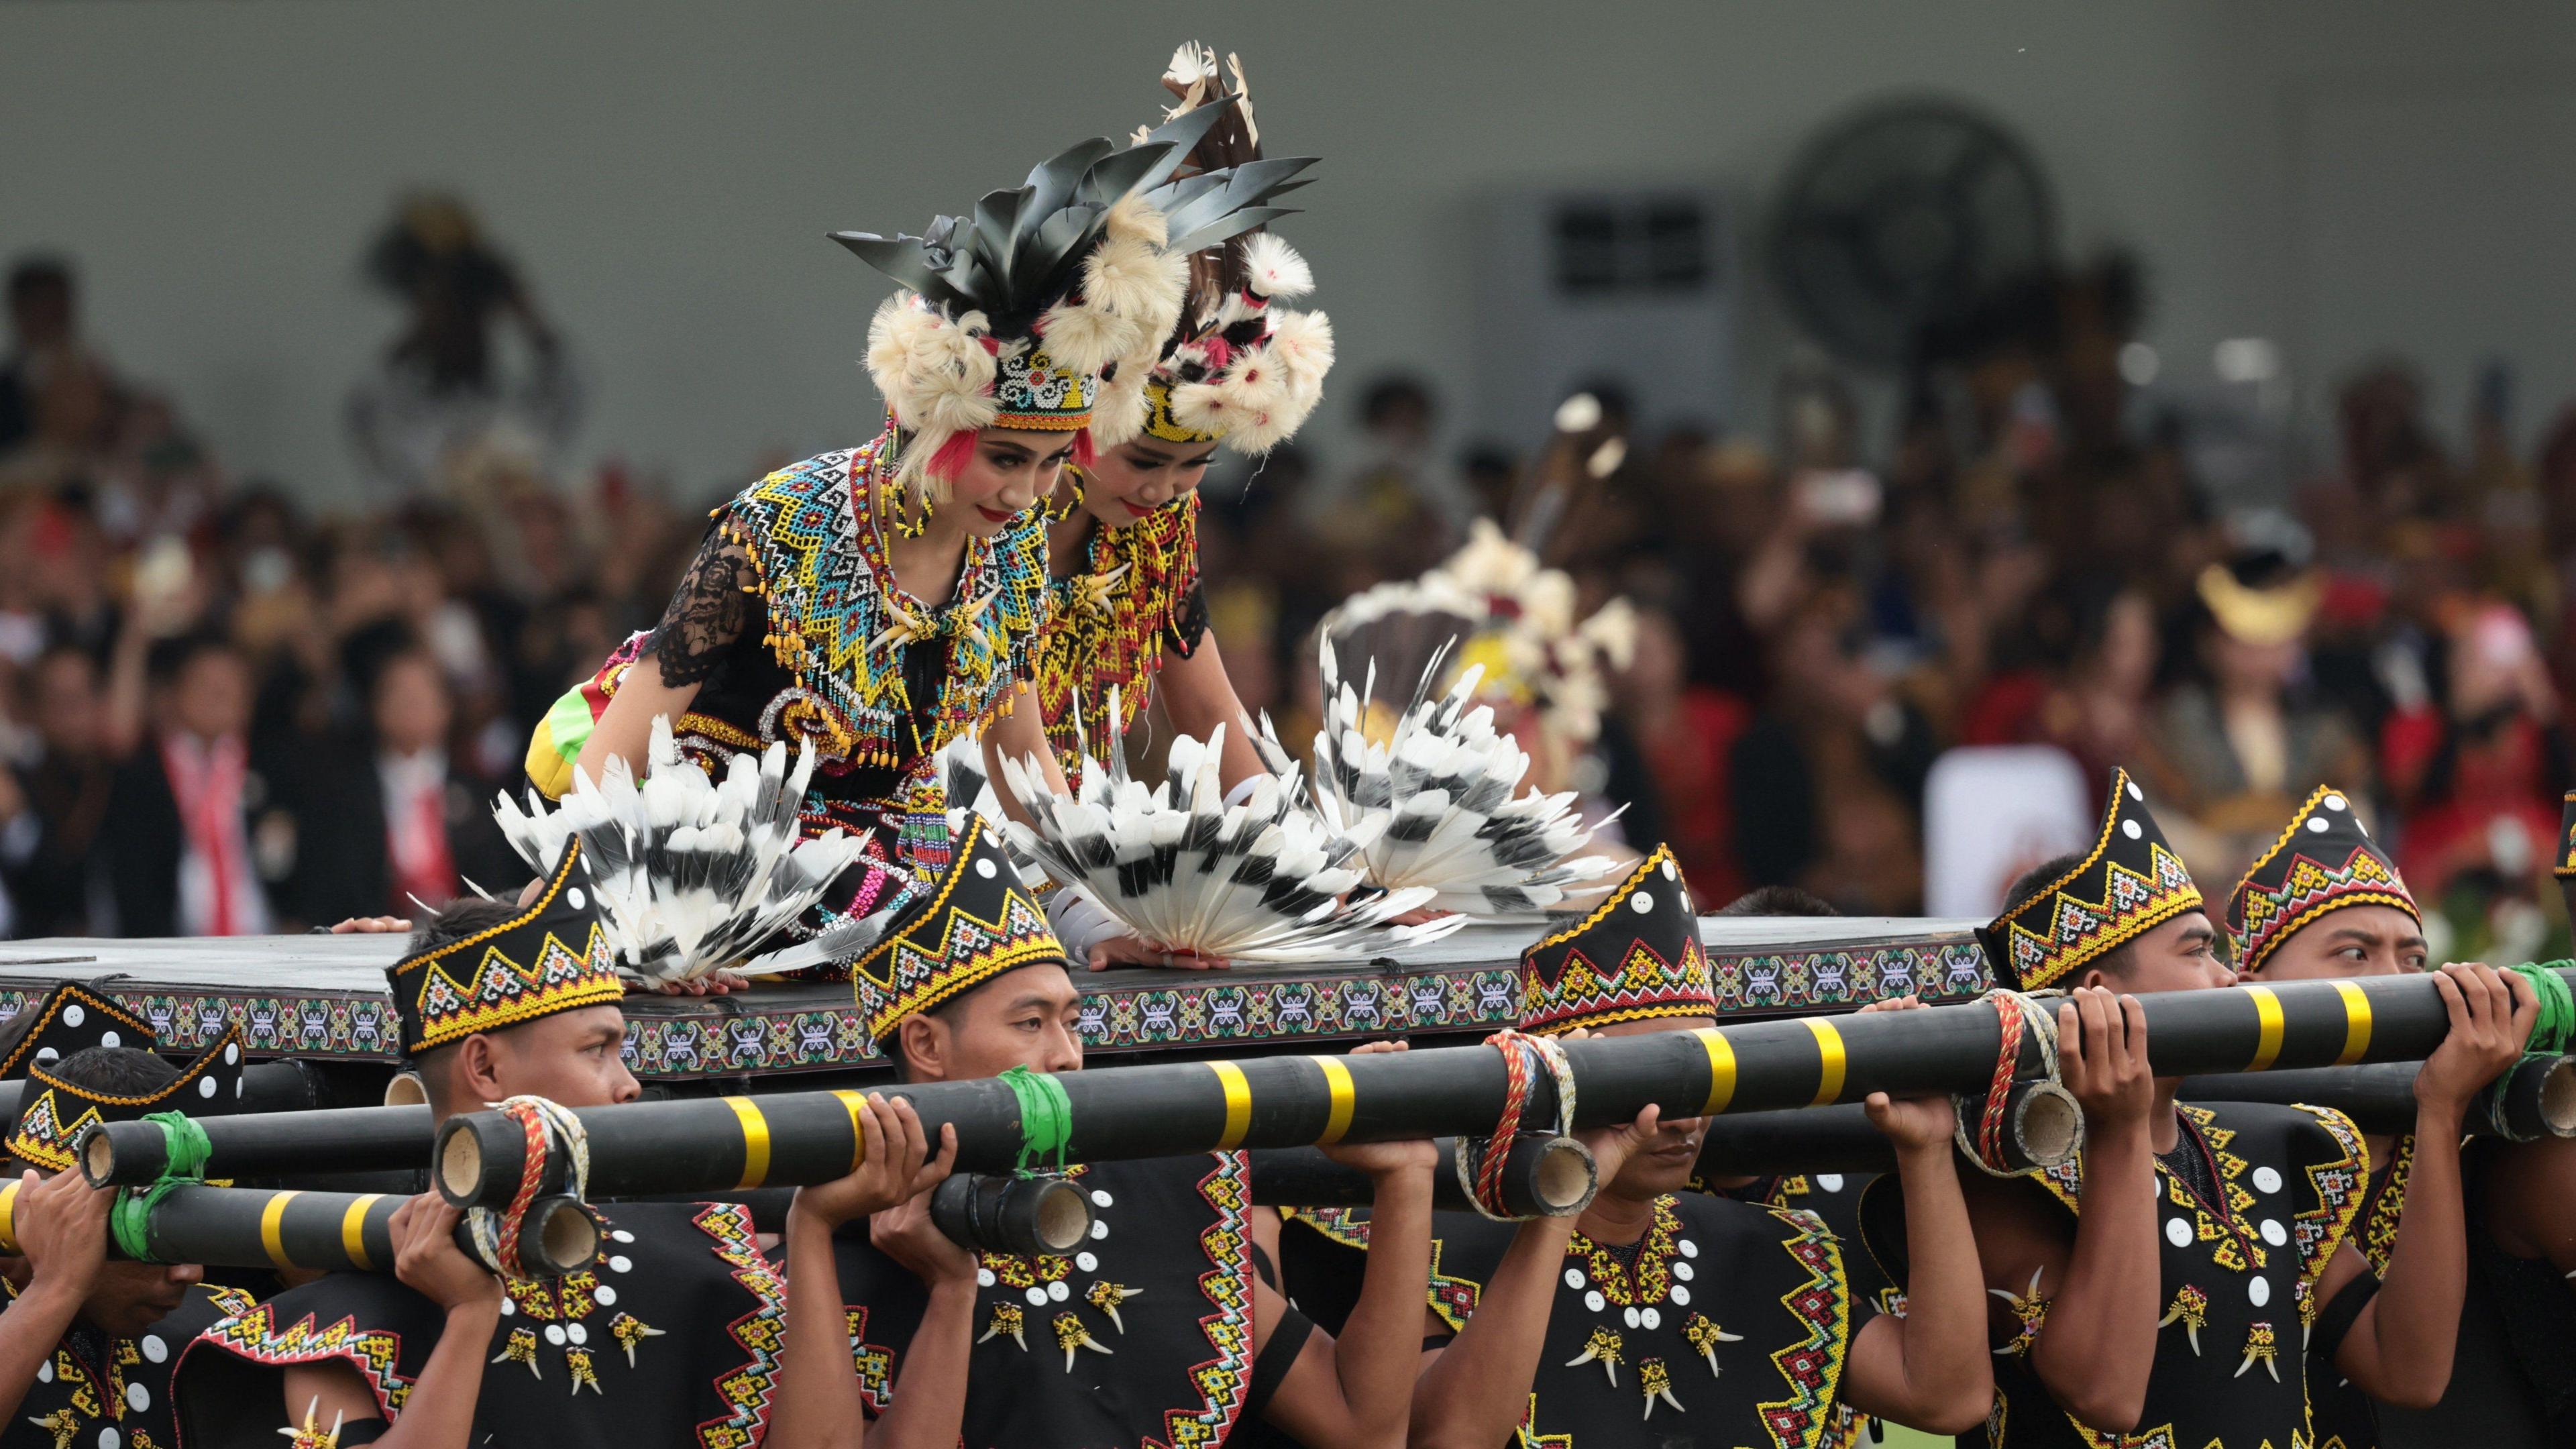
x=978 y=923
x=52 y=1111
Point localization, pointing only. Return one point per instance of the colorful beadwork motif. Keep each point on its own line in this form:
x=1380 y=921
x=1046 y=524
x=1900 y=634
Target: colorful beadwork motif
x=1812 y=1369
x=762 y=1333
x=256 y=1335
x=2323 y=861
x=549 y=958
x=2128 y=884
x=838 y=619
x=677 y=1039
x=2376 y=1233
x=1224 y=1379
x=1111 y=622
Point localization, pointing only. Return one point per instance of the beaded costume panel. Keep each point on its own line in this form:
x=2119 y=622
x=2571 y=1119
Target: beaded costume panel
x=675 y=1336
x=1112 y=623
x=2240 y=1277
x=97 y=1392
x=1728 y=1323
x=1142 y=1337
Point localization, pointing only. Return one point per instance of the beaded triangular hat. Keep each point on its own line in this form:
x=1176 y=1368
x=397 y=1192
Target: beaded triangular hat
x=70 y=1018
x=1636 y=955
x=2129 y=883
x=979 y=921
x=52 y=1111
x=2324 y=861
x=551 y=956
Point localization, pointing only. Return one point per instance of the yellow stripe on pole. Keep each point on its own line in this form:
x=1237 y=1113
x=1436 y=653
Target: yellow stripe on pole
x=755 y=1141
x=1830 y=1060
x=2267 y=1041
x=1721 y=1070
x=9 y=1217
x=1238 y=1104
x=272 y=1220
x=1337 y=1082
x=2356 y=1023
x=353 y=1230
x=853 y=1103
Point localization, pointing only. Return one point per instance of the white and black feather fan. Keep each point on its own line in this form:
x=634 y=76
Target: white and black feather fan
x=690 y=874
x=1435 y=802
x=1261 y=879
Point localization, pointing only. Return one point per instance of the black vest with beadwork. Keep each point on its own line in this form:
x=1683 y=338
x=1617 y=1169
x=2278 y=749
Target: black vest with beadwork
x=2241 y=1256
x=98 y=1392
x=1143 y=1336
x=1727 y=1324
x=1835 y=1198
x=673 y=1337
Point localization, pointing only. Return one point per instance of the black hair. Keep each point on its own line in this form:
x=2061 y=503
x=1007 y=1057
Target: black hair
x=1778 y=900
x=1384 y=395
x=33 y=273
x=457 y=920
x=114 y=1071
x=173 y=657
x=2031 y=882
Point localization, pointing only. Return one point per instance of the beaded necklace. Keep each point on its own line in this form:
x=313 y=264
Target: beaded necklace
x=840 y=620
x=1111 y=620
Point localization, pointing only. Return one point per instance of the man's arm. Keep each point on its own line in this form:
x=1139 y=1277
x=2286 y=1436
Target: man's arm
x=818 y=1393
x=1357 y=1389
x=1474 y=1393
x=2099 y=1342
x=2400 y=1346
x=439 y=1414
x=1930 y=1369
x=61 y=1227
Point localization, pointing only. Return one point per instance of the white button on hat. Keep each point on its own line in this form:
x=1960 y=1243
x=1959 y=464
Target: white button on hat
x=2267 y=1179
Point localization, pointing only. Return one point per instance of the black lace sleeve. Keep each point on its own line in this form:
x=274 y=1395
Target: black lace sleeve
x=1189 y=621
x=708 y=615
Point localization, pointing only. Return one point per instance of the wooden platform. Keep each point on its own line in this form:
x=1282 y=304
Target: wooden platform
x=324 y=998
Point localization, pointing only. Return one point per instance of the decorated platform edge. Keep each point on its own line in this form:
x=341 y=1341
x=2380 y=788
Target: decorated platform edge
x=677 y=1038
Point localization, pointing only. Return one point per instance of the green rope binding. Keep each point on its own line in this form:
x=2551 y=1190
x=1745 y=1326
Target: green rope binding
x=184 y=1153
x=2557 y=1021
x=1046 y=1116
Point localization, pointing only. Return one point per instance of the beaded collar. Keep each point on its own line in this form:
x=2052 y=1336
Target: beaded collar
x=1111 y=620
x=839 y=620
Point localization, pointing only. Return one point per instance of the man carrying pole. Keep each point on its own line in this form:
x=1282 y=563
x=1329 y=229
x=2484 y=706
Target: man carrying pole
x=2172 y=1282
x=1167 y=1326
x=88 y=1343
x=1665 y=1316
x=681 y=1322
x=2327 y=903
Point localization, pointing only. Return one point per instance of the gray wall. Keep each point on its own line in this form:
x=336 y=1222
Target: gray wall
x=666 y=170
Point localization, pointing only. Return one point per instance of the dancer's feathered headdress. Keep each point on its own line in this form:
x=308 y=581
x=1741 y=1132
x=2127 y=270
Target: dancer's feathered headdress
x=1239 y=368
x=1011 y=315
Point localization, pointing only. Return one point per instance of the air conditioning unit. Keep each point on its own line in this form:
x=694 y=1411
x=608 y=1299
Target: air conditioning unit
x=1636 y=287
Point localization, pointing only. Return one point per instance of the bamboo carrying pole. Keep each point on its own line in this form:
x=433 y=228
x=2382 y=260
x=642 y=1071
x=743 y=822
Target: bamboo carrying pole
x=1547 y=1176
x=2538 y=1099
x=715 y=1144
x=231 y=1227
x=263 y=1144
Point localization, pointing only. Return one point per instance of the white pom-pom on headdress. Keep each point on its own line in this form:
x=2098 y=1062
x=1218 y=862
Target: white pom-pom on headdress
x=935 y=375
x=1301 y=343
x=1118 y=410
x=1203 y=407
x=1132 y=218
x=1273 y=269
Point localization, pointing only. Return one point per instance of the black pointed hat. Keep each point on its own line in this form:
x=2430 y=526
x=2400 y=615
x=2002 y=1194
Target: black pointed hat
x=977 y=921
x=2325 y=860
x=1636 y=955
x=52 y=1111
x=71 y=1018
x=552 y=956
x=2128 y=884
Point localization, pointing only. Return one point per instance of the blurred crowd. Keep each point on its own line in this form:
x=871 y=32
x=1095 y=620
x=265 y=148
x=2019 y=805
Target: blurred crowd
x=224 y=712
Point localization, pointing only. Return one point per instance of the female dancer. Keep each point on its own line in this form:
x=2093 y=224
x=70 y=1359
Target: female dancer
x=882 y=601
x=1123 y=538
